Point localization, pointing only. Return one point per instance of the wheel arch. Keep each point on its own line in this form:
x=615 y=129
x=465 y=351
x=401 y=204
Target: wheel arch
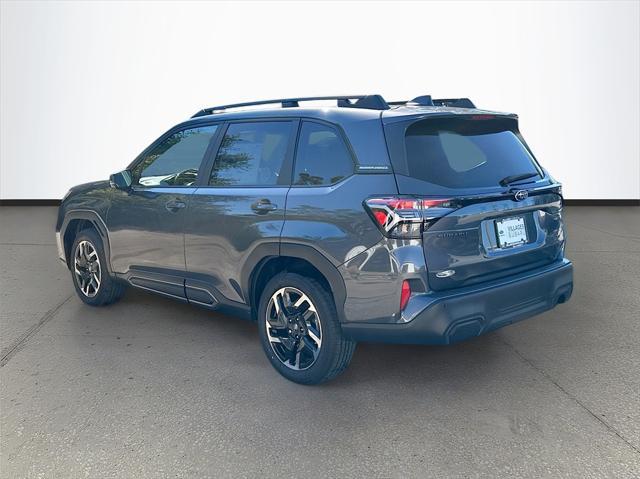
x=76 y=221
x=294 y=258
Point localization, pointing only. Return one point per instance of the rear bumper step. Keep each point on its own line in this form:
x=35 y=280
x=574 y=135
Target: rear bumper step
x=449 y=317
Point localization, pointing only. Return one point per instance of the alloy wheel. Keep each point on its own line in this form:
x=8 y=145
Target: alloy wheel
x=87 y=269
x=293 y=328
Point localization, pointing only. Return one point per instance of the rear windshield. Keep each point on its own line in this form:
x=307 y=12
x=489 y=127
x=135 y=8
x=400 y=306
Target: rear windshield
x=461 y=153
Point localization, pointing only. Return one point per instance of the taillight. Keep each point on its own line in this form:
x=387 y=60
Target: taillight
x=405 y=294
x=407 y=217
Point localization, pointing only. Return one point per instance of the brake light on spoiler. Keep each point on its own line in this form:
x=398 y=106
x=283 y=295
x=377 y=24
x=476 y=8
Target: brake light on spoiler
x=407 y=217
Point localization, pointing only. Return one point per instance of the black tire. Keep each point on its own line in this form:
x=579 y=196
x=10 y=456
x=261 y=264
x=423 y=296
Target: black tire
x=109 y=290
x=335 y=352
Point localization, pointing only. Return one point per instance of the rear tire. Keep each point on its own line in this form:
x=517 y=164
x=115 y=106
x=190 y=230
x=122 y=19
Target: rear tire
x=300 y=331
x=91 y=279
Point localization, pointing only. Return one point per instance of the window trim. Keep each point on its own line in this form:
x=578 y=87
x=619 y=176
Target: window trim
x=181 y=127
x=206 y=165
x=340 y=133
x=286 y=170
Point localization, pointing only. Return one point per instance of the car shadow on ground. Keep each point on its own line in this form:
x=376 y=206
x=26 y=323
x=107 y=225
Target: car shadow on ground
x=453 y=366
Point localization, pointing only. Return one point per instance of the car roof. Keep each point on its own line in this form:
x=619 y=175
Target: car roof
x=346 y=109
x=340 y=115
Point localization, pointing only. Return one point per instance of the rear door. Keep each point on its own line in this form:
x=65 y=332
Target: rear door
x=240 y=208
x=502 y=212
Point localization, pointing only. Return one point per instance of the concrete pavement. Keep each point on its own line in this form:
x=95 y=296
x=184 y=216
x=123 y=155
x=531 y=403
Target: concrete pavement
x=152 y=388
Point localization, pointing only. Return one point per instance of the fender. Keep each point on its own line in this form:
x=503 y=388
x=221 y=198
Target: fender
x=96 y=220
x=323 y=264
x=252 y=267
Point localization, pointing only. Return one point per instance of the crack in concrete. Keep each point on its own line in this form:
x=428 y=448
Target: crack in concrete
x=7 y=353
x=544 y=374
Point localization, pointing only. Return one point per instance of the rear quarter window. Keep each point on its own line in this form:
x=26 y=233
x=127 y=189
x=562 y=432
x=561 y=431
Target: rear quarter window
x=322 y=157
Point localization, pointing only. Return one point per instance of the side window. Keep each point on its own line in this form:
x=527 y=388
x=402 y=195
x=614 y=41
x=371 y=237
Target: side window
x=322 y=157
x=175 y=161
x=251 y=154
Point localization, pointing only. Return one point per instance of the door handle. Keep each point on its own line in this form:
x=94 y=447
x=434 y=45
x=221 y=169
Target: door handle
x=263 y=206
x=174 y=205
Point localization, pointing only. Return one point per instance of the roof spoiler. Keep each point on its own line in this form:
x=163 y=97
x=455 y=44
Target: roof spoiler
x=454 y=102
x=426 y=100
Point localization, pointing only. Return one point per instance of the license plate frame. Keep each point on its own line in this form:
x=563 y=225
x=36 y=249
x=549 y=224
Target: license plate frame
x=511 y=232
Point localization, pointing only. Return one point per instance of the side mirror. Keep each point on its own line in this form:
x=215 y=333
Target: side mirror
x=121 y=180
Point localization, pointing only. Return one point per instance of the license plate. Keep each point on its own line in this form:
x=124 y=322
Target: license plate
x=511 y=232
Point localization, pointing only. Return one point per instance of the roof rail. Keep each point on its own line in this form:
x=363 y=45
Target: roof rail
x=372 y=102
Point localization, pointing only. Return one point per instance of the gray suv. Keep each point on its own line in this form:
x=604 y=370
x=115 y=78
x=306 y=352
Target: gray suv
x=426 y=221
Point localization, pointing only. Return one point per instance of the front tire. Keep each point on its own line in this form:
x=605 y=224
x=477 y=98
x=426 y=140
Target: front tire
x=91 y=279
x=300 y=331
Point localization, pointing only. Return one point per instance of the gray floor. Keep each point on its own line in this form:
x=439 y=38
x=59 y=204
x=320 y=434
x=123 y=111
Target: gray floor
x=151 y=388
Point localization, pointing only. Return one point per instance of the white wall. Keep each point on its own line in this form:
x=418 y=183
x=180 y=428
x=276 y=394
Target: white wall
x=86 y=86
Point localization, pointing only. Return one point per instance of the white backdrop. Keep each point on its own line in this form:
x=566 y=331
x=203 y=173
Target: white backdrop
x=86 y=86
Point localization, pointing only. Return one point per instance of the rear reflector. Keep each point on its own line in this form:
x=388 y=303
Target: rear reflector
x=406 y=217
x=405 y=294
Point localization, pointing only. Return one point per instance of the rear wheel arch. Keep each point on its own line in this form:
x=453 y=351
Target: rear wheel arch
x=300 y=259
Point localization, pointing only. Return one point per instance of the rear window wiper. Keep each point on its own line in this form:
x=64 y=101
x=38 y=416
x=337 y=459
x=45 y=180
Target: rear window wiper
x=511 y=178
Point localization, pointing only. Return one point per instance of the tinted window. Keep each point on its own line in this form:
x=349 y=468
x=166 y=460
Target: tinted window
x=175 y=161
x=322 y=157
x=461 y=153
x=251 y=154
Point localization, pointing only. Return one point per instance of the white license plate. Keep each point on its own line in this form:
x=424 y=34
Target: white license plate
x=511 y=232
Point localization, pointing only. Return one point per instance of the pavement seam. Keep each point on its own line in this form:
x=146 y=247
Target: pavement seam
x=8 y=352
x=603 y=251
x=542 y=372
x=629 y=237
x=27 y=244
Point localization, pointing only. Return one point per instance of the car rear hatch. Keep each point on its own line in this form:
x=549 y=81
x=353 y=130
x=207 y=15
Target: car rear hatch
x=488 y=209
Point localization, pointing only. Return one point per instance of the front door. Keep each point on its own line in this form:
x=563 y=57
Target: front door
x=146 y=223
x=240 y=209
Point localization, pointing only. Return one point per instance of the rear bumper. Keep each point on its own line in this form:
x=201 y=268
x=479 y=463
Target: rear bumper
x=451 y=316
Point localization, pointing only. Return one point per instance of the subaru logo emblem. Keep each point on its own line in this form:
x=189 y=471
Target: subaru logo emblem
x=521 y=195
x=446 y=274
